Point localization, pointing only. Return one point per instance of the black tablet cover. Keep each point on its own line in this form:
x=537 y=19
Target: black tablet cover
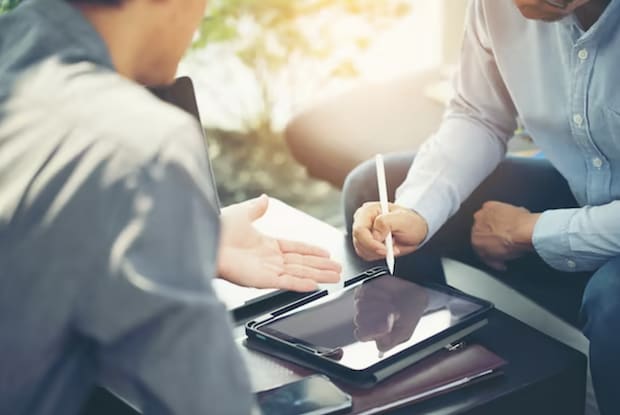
x=371 y=329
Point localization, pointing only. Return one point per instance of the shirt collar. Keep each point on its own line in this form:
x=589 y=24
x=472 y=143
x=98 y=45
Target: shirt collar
x=607 y=21
x=74 y=28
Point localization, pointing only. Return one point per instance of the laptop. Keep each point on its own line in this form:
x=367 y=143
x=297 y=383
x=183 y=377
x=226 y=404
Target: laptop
x=280 y=221
x=181 y=94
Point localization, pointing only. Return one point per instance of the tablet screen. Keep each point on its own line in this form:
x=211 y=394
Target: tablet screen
x=367 y=323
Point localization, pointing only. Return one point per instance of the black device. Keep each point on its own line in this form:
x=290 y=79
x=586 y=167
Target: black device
x=374 y=327
x=312 y=395
x=182 y=95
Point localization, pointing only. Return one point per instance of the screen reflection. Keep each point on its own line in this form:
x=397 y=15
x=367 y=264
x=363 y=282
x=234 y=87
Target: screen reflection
x=373 y=321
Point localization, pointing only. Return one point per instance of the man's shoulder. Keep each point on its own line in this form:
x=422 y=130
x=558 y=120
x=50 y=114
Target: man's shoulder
x=100 y=105
x=119 y=109
x=500 y=20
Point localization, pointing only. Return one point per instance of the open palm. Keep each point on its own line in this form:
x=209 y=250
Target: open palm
x=250 y=258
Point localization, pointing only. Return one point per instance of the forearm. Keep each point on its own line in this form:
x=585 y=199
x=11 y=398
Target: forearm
x=523 y=234
x=449 y=166
x=580 y=239
x=472 y=138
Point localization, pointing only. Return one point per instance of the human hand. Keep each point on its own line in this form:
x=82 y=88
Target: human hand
x=502 y=232
x=388 y=311
x=250 y=258
x=548 y=10
x=370 y=228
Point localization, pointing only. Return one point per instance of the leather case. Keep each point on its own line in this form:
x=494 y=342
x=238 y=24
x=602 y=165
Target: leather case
x=443 y=371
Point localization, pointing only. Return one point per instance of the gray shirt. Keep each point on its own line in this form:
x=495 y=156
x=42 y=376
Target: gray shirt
x=108 y=233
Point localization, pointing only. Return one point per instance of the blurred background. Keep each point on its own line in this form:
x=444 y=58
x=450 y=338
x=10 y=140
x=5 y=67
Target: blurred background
x=295 y=93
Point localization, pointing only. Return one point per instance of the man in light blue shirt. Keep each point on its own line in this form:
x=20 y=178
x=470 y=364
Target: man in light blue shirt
x=109 y=229
x=556 y=68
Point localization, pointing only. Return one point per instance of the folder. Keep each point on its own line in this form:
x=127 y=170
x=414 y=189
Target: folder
x=444 y=371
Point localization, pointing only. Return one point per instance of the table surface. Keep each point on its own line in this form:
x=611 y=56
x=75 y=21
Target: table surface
x=535 y=360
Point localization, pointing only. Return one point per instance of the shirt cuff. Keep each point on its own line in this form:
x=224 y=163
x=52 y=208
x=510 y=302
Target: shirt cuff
x=435 y=207
x=551 y=240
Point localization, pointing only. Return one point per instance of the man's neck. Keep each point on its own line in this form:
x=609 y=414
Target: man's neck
x=120 y=36
x=589 y=13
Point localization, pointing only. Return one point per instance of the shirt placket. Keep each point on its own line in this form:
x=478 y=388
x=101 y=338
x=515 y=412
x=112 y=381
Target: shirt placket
x=596 y=164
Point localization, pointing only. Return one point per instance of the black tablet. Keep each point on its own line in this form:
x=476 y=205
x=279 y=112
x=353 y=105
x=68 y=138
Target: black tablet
x=374 y=327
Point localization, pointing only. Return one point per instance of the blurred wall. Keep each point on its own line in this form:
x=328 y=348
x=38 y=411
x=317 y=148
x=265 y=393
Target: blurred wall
x=453 y=12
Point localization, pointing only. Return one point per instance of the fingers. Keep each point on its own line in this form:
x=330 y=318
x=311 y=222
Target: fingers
x=305 y=261
x=297 y=278
x=294 y=283
x=382 y=226
x=258 y=207
x=495 y=264
x=290 y=278
x=310 y=261
x=315 y=274
x=367 y=247
x=487 y=251
x=364 y=242
x=302 y=248
x=370 y=228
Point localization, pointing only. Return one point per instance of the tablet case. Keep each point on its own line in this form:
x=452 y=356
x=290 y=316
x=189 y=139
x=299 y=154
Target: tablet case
x=317 y=359
x=443 y=371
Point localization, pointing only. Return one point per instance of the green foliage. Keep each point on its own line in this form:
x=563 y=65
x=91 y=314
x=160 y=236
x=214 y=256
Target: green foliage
x=295 y=49
x=6 y=5
x=279 y=21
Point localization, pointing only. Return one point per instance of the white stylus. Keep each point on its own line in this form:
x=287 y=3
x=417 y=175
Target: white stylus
x=391 y=318
x=383 y=200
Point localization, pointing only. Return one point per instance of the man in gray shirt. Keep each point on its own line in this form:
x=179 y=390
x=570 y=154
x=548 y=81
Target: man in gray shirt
x=109 y=230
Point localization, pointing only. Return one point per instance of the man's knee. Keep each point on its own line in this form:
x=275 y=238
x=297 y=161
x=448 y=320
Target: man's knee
x=358 y=189
x=600 y=311
x=358 y=185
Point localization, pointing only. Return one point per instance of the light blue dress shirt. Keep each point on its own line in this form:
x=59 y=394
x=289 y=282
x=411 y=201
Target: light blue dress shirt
x=108 y=233
x=564 y=84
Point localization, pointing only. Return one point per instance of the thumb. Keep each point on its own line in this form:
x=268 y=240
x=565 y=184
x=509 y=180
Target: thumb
x=381 y=227
x=258 y=207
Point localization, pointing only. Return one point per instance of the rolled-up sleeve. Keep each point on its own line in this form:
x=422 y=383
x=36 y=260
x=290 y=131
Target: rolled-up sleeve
x=580 y=239
x=472 y=138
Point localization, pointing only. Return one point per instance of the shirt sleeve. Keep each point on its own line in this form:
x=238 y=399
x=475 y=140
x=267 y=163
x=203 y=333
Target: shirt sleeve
x=472 y=138
x=152 y=316
x=580 y=239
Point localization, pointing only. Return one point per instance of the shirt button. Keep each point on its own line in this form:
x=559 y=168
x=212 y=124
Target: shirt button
x=583 y=54
x=578 y=119
x=571 y=264
x=597 y=162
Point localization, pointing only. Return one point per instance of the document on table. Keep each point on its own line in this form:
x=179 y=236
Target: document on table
x=284 y=222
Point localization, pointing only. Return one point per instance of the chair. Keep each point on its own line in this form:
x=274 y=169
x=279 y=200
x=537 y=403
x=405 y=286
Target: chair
x=335 y=135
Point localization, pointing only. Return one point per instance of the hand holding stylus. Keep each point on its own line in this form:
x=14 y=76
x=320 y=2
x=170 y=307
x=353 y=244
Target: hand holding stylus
x=374 y=223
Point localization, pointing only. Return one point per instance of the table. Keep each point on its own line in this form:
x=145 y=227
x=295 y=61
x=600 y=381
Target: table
x=543 y=376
